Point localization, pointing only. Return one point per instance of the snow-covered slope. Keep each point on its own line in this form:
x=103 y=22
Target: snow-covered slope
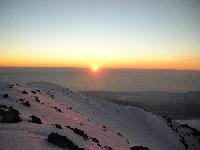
x=89 y=123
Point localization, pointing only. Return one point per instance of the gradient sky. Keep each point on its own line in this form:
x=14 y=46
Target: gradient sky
x=109 y=33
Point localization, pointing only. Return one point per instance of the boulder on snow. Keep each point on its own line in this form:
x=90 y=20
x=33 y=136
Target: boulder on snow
x=37 y=99
x=79 y=132
x=5 y=95
x=33 y=92
x=182 y=140
x=26 y=104
x=62 y=141
x=94 y=140
x=139 y=148
x=21 y=99
x=57 y=109
x=35 y=119
x=119 y=134
x=57 y=126
x=107 y=148
x=24 y=92
x=9 y=115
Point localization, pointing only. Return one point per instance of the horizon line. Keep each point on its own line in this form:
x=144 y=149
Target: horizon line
x=117 y=68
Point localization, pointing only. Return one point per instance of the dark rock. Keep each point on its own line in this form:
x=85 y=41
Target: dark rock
x=9 y=115
x=99 y=145
x=120 y=134
x=26 y=104
x=37 y=99
x=182 y=140
x=35 y=120
x=195 y=131
x=62 y=141
x=69 y=127
x=24 y=92
x=58 y=126
x=139 y=148
x=5 y=95
x=58 y=109
x=94 y=140
x=81 y=133
x=184 y=126
x=38 y=90
x=33 y=92
x=107 y=148
x=21 y=99
x=3 y=106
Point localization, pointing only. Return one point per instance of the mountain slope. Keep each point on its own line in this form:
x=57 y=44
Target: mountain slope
x=89 y=123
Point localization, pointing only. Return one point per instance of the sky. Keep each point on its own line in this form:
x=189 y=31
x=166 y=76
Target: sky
x=162 y=34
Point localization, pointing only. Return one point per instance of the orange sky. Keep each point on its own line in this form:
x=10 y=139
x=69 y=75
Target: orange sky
x=122 y=34
x=44 y=61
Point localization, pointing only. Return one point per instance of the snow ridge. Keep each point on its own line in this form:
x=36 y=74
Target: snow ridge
x=40 y=113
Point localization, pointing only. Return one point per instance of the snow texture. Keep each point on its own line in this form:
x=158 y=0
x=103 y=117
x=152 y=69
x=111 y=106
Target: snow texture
x=89 y=123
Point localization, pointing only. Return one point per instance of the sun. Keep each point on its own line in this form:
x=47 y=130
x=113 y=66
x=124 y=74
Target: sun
x=94 y=68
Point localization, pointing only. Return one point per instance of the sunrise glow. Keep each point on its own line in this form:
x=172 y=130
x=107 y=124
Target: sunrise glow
x=122 y=34
x=94 y=68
